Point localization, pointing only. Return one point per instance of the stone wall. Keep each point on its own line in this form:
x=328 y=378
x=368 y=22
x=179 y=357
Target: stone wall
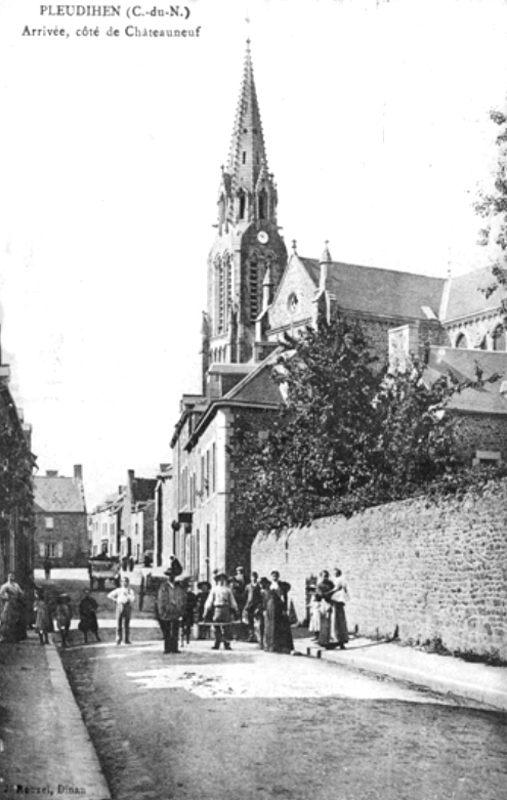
x=428 y=570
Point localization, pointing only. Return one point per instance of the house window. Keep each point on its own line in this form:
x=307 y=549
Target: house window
x=487 y=458
x=461 y=342
x=49 y=522
x=213 y=467
x=54 y=549
x=207 y=474
x=42 y=549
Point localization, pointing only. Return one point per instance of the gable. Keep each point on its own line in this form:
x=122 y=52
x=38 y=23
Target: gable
x=298 y=284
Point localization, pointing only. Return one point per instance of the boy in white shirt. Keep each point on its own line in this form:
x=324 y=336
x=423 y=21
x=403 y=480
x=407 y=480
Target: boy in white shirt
x=124 y=598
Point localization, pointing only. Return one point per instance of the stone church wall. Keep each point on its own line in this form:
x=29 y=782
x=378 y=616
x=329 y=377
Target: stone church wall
x=430 y=571
x=481 y=432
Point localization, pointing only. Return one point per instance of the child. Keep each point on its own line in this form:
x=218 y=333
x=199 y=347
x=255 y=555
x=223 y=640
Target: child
x=43 y=622
x=314 y=610
x=63 y=616
x=88 y=616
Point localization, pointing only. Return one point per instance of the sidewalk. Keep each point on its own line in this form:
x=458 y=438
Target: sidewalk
x=44 y=745
x=444 y=674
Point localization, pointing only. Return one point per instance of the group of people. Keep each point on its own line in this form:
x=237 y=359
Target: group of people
x=261 y=608
x=44 y=610
x=328 y=621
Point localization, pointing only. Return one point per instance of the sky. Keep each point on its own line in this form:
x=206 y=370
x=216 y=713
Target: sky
x=376 y=122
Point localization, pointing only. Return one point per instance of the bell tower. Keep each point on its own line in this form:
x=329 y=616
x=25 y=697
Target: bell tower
x=248 y=244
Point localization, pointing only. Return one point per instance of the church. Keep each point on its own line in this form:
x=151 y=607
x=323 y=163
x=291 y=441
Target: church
x=256 y=292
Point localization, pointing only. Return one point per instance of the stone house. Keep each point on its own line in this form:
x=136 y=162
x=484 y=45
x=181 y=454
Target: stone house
x=61 y=523
x=255 y=294
x=16 y=486
x=137 y=516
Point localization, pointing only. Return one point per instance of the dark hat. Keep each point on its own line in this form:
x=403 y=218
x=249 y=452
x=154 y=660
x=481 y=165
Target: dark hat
x=220 y=574
x=204 y=585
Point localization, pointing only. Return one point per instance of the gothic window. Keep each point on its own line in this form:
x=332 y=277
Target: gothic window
x=499 y=338
x=220 y=295
x=241 y=205
x=223 y=278
x=461 y=342
x=255 y=285
x=263 y=204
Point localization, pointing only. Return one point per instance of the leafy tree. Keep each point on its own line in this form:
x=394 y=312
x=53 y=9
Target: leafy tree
x=349 y=436
x=493 y=207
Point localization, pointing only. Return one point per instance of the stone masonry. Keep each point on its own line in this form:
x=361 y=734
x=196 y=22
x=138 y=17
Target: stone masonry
x=427 y=570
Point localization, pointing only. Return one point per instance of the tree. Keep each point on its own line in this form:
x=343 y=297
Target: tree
x=493 y=206
x=349 y=436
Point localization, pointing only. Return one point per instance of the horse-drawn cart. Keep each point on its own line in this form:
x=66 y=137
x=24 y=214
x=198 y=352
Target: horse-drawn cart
x=102 y=569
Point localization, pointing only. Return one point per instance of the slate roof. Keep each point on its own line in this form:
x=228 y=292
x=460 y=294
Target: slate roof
x=383 y=292
x=258 y=386
x=486 y=399
x=143 y=489
x=466 y=295
x=59 y=495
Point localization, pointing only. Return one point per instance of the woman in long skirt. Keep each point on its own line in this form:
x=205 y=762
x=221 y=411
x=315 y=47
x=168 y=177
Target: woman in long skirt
x=325 y=588
x=340 y=596
x=278 y=634
x=12 y=616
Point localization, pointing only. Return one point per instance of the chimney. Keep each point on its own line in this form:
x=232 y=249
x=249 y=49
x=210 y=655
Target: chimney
x=78 y=472
x=51 y=473
x=403 y=346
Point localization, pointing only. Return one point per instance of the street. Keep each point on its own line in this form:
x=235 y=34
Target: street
x=251 y=724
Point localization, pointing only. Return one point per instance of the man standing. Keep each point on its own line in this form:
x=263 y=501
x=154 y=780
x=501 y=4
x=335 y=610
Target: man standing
x=171 y=605
x=222 y=605
x=124 y=598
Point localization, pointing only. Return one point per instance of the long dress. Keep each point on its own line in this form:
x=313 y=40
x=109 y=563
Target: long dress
x=278 y=634
x=88 y=615
x=324 y=589
x=12 y=616
x=339 y=630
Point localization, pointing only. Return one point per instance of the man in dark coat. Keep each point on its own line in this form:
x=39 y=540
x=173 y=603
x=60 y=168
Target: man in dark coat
x=170 y=608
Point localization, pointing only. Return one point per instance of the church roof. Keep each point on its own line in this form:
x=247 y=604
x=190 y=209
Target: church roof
x=383 y=292
x=486 y=399
x=58 y=494
x=467 y=296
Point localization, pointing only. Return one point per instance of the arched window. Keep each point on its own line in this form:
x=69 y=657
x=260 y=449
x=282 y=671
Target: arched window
x=255 y=284
x=498 y=338
x=263 y=204
x=241 y=205
x=219 y=295
x=461 y=342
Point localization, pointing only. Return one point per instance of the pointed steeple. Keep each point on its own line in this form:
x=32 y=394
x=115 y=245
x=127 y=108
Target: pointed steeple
x=246 y=182
x=247 y=154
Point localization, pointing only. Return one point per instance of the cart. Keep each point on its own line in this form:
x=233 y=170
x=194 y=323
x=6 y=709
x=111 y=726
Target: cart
x=102 y=569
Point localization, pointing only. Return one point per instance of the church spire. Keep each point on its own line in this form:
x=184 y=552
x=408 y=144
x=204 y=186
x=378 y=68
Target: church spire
x=248 y=191
x=247 y=154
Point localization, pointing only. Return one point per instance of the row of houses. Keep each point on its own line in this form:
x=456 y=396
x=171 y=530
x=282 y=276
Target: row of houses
x=256 y=293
